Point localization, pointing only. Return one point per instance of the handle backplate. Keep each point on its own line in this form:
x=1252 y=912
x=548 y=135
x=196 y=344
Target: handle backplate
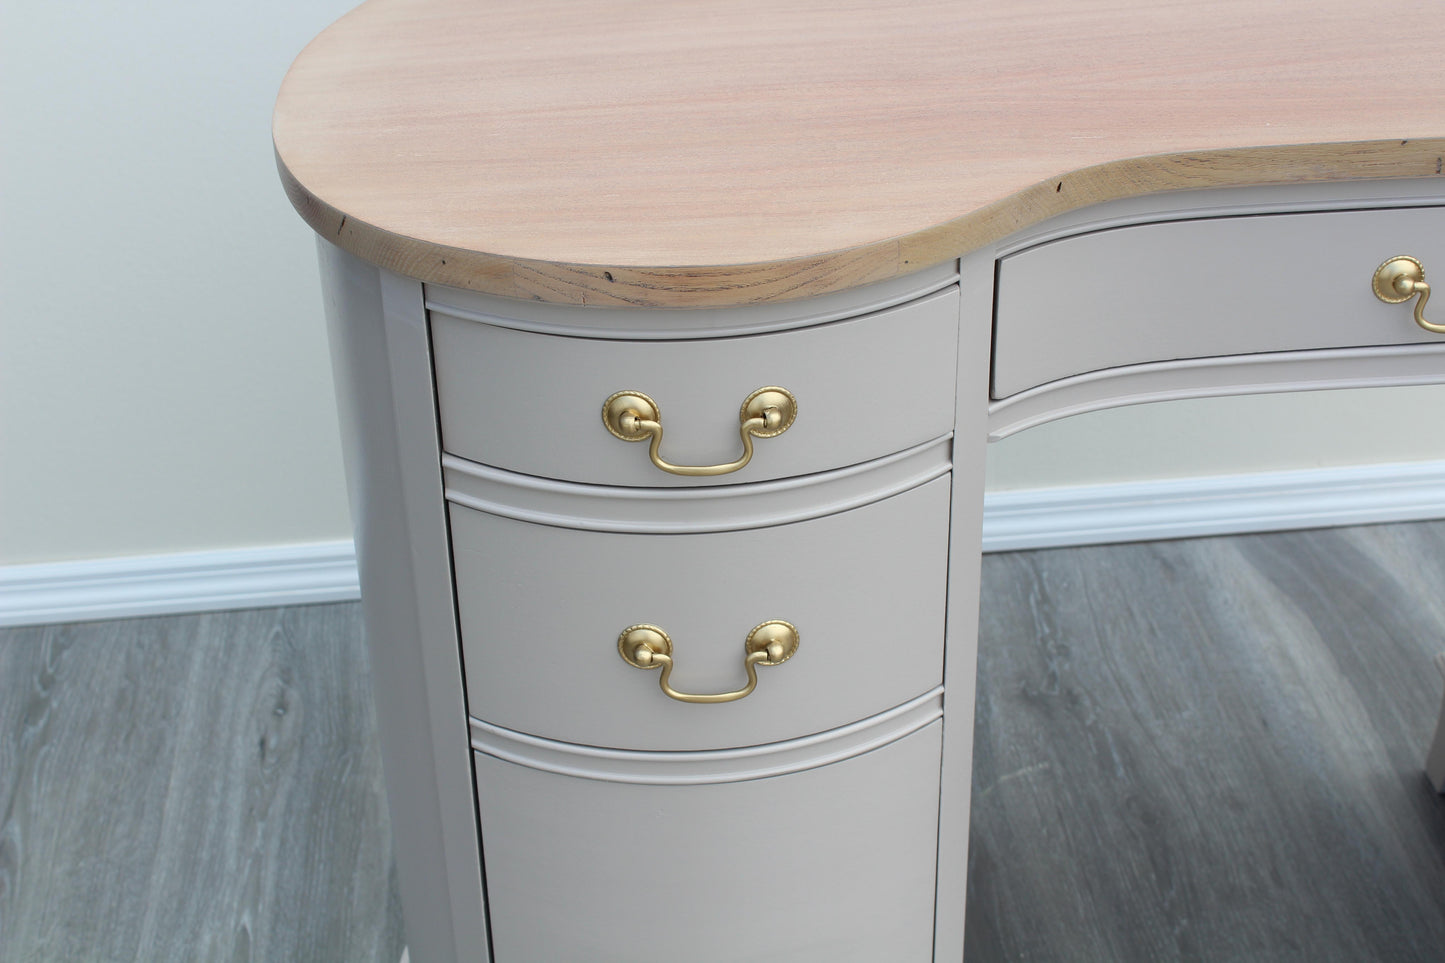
x=1400 y=279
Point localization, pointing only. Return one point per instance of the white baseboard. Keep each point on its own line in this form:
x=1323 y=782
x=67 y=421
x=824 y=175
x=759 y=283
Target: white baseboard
x=1213 y=505
x=118 y=588
x=1037 y=518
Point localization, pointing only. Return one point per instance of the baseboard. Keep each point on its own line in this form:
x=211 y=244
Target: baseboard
x=118 y=588
x=1037 y=518
x=1213 y=505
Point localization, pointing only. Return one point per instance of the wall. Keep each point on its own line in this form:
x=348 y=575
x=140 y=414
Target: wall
x=164 y=383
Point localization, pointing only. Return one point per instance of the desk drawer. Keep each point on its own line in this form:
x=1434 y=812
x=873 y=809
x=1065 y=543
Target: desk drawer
x=825 y=865
x=1205 y=288
x=542 y=609
x=532 y=403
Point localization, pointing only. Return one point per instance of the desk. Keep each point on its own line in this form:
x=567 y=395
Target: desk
x=832 y=249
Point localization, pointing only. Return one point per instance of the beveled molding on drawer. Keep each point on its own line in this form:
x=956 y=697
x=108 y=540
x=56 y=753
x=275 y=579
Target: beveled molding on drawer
x=672 y=324
x=1248 y=374
x=713 y=765
x=680 y=510
x=545 y=615
x=1212 y=287
x=539 y=404
x=581 y=869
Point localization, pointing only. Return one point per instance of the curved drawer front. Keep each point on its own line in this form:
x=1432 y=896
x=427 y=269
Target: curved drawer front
x=1206 y=288
x=829 y=864
x=532 y=403
x=542 y=609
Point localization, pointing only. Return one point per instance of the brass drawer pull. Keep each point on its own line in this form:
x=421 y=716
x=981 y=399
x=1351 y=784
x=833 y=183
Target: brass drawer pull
x=1400 y=279
x=766 y=413
x=647 y=647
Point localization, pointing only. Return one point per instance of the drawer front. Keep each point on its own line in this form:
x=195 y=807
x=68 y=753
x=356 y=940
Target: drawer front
x=532 y=403
x=542 y=608
x=832 y=864
x=1205 y=288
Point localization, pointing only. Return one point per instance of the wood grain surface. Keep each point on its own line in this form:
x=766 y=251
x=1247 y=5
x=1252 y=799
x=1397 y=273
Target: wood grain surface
x=193 y=788
x=1211 y=750
x=656 y=153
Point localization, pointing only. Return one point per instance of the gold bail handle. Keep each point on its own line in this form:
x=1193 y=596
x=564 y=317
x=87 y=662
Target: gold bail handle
x=649 y=647
x=634 y=416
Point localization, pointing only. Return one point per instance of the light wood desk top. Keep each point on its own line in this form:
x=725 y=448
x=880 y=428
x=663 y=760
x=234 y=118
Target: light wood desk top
x=657 y=153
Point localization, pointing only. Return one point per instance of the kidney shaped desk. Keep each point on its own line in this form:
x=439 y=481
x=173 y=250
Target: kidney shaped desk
x=668 y=340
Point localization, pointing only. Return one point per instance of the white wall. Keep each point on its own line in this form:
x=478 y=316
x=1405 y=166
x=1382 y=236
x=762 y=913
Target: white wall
x=164 y=383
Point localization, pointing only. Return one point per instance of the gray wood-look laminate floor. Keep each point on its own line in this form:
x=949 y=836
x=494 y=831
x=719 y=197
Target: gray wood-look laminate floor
x=1198 y=750
x=193 y=788
x=1211 y=750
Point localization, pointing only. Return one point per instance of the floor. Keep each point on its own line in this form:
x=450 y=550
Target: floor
x=1211 y=750
x=193 y=788
x=1197 y=750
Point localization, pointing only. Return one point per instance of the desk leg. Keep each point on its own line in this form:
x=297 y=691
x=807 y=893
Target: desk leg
x=960 y=667
x=382 y=364
x=1435 y=758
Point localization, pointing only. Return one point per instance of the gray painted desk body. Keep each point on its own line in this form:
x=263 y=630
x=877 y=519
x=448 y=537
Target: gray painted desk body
x=549 y=801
